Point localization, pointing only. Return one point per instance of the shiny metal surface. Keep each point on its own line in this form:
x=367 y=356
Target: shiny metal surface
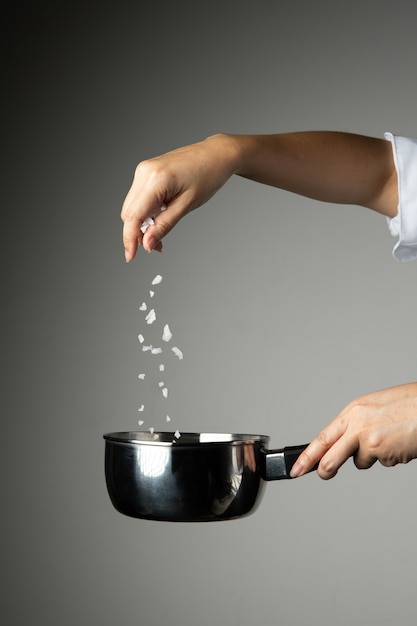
x=198 y=477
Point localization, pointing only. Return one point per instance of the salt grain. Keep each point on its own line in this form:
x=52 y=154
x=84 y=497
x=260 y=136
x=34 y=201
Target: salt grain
x=141 y=338
x=156 y=350
x=177 y=434
x=152 y=430
x=168 y=419
x=142 y=406
x=141 y=376
x=165 y=392
x=143 y=307
x=157 y=279
x=178 y=353
x=140 y=422
x=146 y=348
x=161 y=367
x=161 y=384
x=167 y=334
x=151 y=293
x=151 y=317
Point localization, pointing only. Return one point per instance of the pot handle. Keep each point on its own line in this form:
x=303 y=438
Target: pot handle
x=278 y=463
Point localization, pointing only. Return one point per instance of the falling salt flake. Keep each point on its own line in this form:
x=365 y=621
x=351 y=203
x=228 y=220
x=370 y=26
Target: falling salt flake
x=146 y=348
x=151 y=293
x=178 y=353
x=168 y=419
x=156 y=350
x=143 y=307
x=141 y=376
x=167 y=335
x=161 y=384
x=177 y=434
x=157 y=279
x=140 y=422
x=141 y=338
x=156 y=436
x=165 y=392
x=142 y=406
x=161 y=367
x=152 y=430
x=151 y=316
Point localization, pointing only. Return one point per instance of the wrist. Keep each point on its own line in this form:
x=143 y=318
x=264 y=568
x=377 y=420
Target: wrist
x=229 y=149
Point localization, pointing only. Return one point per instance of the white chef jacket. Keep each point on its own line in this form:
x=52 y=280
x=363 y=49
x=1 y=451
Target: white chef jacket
x=404 y=224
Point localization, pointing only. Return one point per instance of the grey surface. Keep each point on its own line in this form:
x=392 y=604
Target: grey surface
x=286 y=309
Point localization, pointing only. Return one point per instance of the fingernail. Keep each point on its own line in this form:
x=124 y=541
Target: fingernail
x=151 y=243
x=296 y=470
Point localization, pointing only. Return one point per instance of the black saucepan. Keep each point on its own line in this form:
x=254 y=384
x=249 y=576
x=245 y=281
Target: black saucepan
x=198 y=477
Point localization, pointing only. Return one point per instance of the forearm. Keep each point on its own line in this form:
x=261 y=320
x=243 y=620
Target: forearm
x=329 y=166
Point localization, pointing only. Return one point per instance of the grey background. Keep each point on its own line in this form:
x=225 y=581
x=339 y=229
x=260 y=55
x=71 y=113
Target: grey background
x=286 y=309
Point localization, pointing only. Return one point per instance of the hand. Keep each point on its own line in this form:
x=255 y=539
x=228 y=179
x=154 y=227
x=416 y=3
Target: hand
x=326 y=166
x=179 y=181
x=380 y=426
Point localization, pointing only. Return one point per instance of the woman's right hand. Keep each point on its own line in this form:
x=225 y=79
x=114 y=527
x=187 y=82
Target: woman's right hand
x=379 y=426
x=178 y=181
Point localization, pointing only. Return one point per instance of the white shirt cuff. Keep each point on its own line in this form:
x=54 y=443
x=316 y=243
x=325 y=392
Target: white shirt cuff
x=404 y=224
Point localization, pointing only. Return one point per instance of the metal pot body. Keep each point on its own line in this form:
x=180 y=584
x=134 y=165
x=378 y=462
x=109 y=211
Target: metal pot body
x=198 y=477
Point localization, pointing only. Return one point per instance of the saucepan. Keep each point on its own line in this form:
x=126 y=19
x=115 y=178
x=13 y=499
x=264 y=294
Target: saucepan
x=191 y=477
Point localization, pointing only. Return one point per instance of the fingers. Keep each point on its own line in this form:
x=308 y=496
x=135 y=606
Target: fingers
x=163 y=223
x=145 y=199
x=153 y=206
x=330 y=449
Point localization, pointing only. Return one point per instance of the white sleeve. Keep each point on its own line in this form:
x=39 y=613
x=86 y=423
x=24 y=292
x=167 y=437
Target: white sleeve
x=404 y=224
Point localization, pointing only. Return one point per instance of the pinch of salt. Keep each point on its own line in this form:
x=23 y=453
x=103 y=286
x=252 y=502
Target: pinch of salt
x=165 y=392
x=150 y=220
x=143 y=307
x=151 y=293
x=142 y=406
x=140 y=422
x=177 y=434
x=141 y=338
x=156 y=350
x=146 y=223
x=178 y=353
x=157 y=279
x=151 y=316
x=167 y=334
x=168 y=419
x=161 y=367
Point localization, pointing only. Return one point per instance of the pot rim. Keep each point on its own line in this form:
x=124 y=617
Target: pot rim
x=167 y=438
